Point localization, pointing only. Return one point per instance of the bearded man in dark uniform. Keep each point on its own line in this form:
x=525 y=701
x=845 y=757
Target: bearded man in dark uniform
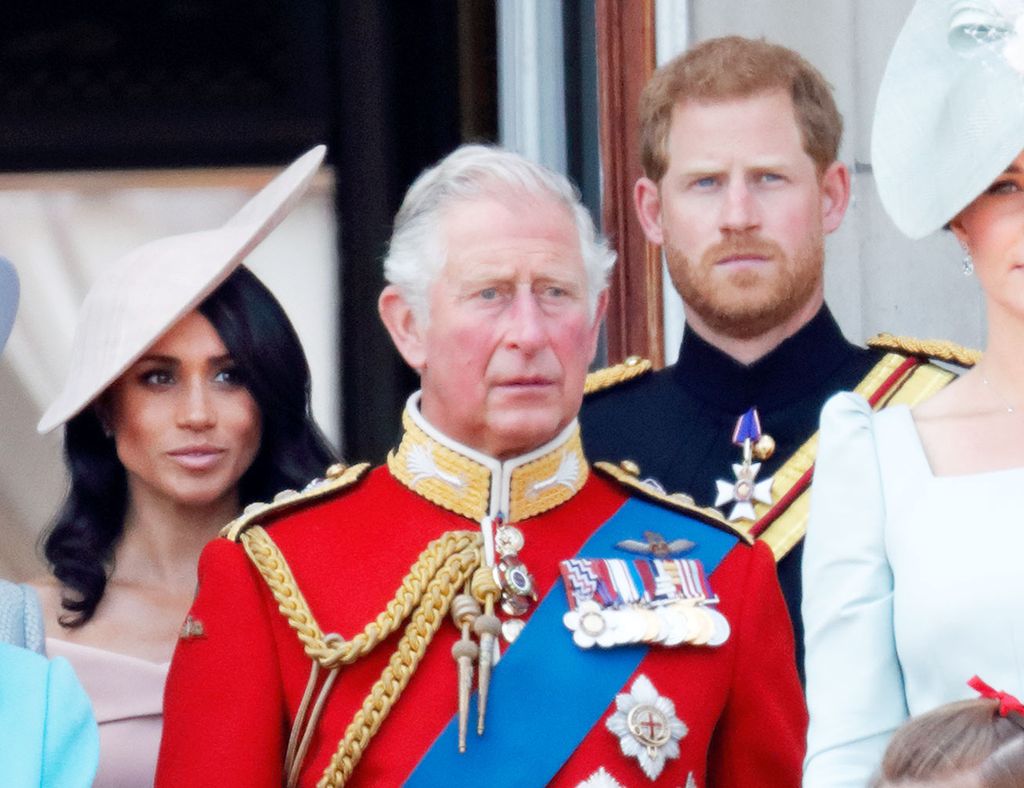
x=348 y=634
x=741 y=186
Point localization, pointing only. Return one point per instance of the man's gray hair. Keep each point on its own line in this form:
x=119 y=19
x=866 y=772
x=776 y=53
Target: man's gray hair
x=417 y=252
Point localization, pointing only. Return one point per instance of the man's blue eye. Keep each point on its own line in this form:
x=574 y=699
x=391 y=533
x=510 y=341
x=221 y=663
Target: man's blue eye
x=489 y=293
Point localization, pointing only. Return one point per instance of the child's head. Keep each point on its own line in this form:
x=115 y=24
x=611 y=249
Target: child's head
x=969 y=744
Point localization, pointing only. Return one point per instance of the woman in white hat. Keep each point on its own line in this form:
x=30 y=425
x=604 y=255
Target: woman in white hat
x=187 y=399
x=912 y=565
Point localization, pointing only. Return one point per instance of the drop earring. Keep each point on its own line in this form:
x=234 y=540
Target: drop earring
x=967 y=263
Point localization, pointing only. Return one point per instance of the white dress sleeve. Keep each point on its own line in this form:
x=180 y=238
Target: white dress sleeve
x=855 y=689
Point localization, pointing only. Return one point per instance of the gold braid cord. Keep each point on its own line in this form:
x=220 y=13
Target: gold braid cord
x=424 y=596
x=601 y=379
x=337 y=478
x=937 y=349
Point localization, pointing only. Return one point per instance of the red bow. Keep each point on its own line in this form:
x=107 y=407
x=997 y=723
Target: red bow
x=1007 y=702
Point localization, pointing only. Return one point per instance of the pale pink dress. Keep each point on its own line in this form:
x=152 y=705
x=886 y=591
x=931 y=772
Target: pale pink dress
x=127 y=697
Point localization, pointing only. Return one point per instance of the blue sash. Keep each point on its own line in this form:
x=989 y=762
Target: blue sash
x=547 y=694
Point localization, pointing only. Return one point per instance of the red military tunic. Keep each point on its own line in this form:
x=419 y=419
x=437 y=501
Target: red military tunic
x=239 y=672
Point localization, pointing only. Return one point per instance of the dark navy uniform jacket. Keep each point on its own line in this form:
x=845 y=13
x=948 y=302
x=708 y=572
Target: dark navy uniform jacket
x=677 y=423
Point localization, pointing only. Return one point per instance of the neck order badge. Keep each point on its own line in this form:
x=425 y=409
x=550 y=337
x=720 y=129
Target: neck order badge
x=746 y=489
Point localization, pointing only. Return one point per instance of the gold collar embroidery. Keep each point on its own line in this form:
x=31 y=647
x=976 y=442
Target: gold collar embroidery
x=476 y=486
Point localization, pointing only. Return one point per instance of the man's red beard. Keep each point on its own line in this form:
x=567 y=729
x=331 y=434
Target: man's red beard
x=747 y=302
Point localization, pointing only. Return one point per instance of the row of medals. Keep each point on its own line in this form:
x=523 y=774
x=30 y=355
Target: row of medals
x=677 y=623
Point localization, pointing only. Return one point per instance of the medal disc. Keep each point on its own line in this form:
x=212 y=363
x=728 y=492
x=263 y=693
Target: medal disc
x=510 y=629
x=629 y=627
x=652 y=626
x=514 y=605
x=508 y=540
x=675 y=626
x=722 y=628
x=705 y=627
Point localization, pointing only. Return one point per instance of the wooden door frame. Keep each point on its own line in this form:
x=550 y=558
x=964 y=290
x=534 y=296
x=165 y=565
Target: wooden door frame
x=625 y=60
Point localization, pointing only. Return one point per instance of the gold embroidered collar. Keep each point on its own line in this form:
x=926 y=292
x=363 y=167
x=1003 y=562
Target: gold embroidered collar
x=476 y=486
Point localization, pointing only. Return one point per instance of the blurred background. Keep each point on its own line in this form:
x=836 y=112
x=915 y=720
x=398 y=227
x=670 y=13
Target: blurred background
x=124 y=122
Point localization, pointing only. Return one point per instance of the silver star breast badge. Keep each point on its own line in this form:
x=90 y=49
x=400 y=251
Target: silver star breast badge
x=647 y=726
x=600 y=779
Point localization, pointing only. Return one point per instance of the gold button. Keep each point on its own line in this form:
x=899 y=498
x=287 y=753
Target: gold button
x=335 y=470
x=764 y=448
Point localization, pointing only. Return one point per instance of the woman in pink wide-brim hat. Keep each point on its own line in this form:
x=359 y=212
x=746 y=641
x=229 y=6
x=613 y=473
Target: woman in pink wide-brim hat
x=187 y=398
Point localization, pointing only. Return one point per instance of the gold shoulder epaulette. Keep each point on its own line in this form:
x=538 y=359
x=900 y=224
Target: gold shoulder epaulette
x=601 y=379
x=935 y=349
x=336 y=478
x=628 y=475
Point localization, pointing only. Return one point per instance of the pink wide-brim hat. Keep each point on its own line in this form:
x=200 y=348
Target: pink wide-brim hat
x=141 y=296
x=8 y=299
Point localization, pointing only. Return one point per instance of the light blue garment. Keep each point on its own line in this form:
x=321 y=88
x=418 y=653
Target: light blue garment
x=48 y=737
x=912 y=584
x=21 y=617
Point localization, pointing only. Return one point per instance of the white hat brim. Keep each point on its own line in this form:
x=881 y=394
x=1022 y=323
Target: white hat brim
x=142 y=295
x=949 y=117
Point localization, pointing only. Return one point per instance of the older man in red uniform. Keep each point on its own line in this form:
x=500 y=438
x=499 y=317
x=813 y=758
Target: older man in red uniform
x=486 y=606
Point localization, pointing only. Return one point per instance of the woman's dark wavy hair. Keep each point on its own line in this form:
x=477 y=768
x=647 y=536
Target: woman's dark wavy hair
x=266 y=350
